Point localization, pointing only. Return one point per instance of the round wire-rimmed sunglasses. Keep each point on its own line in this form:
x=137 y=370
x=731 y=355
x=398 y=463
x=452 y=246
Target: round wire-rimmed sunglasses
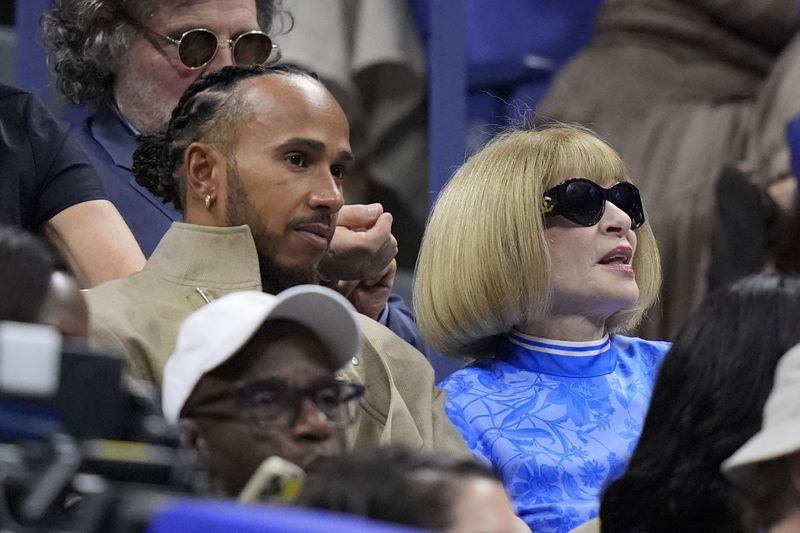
x=198 y=47
x=583 y=202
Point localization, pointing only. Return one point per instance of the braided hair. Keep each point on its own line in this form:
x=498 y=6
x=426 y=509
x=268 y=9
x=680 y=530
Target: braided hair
x=208 y=110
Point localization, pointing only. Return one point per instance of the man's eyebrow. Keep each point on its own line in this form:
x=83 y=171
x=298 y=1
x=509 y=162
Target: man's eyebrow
x=281 y=384
x=301 y=142
x=346 y=156
x=263 y=382
x=198 y=24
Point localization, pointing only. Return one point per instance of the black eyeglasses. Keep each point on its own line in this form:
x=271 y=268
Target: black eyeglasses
x=198 y=47
x=271 y=404
x=583 y=201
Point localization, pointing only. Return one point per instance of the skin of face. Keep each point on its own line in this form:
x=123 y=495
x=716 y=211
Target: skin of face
x=233 y=446
x=291 y=157
x=64 y=307
x=150 y=78
x=582 y=286
x=483 y=507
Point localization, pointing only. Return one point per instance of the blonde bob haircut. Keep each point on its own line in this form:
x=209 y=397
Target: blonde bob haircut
x=484 y=264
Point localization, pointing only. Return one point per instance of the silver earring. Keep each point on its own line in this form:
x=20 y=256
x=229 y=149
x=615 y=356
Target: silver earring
x=208 y=201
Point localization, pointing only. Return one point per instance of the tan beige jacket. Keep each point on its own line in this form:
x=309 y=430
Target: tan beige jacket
x=140 y=315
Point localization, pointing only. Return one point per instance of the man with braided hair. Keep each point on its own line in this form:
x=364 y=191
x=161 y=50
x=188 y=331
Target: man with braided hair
x=130 y=60
x=256 y=157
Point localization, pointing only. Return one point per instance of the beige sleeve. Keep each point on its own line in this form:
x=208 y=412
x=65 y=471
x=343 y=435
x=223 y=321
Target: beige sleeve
x=402 y=404
x=108 y=335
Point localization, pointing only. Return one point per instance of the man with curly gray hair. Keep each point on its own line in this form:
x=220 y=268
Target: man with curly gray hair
x=106 y=51
x=128 y=62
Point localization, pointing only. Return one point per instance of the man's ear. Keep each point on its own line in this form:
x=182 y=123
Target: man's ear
x=206 y=168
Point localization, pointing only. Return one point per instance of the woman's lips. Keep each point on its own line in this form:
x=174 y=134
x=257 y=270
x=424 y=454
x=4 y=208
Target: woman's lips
x=621 y=268
x=620 y=254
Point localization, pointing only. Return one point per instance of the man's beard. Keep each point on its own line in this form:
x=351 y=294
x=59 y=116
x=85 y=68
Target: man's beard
x=275 y=277
x=144 y=107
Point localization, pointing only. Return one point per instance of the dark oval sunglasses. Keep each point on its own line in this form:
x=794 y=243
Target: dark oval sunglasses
x=583 y=202
x=198 y=47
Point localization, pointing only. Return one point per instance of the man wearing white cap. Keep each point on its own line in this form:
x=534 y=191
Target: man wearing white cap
x=766 y=469
x=254 y=376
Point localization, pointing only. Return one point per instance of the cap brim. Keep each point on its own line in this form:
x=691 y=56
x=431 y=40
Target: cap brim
x=769 y=443
x=326 y=313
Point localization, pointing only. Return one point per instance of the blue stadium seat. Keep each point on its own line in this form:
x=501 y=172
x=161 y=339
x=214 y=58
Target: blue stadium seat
x=211 y=516
x=508 y=52
x=793 y=138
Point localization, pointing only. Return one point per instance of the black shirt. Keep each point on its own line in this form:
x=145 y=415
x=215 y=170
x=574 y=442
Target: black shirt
x=42 y=169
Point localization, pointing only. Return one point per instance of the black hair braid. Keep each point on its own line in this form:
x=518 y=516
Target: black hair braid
x=152 y=169
x=159 y=155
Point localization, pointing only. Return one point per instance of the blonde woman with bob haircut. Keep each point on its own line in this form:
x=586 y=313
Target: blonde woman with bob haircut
x=536 y=257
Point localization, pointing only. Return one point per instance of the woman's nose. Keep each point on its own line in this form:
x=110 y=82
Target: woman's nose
x=615 y=220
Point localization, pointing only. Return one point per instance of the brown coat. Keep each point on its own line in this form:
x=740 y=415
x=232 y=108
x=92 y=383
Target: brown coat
x=140 y=315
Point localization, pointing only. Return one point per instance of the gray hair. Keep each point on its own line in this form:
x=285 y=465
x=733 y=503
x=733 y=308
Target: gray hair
x=87 y=40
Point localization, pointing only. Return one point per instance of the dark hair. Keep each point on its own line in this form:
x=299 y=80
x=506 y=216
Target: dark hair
x=208 y=110
x=393 y=484
x=706 y=403
x=87 y=40
x=26 y=266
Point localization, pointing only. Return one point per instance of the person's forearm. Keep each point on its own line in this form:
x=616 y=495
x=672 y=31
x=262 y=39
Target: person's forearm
x=95 y=241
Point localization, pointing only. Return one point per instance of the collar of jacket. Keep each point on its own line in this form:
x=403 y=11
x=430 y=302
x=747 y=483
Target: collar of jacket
x=191 y=254
x=111 y=131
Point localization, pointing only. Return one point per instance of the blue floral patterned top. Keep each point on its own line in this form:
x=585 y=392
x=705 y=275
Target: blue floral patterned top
x=557 y=420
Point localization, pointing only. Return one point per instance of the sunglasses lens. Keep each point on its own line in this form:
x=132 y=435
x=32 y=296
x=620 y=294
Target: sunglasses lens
x=252 y=49
x=626 y=197
x=197 y=48
x=582 y=202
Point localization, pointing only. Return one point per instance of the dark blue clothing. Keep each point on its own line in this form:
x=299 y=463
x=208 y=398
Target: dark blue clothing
x=110 y=144
x=42 y=169
x=403 y=323
x=557 y=420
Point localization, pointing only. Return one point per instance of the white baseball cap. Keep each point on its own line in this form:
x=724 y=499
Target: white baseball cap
x=780 y=429
x=211 y=335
